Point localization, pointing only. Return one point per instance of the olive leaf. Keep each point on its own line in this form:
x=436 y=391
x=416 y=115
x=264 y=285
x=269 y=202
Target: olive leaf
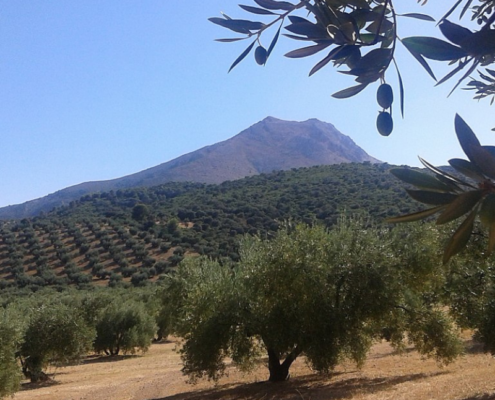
x=434 y=49
x=454 y=197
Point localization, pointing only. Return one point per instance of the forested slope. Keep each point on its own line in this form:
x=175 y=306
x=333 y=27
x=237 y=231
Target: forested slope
x=135 y=235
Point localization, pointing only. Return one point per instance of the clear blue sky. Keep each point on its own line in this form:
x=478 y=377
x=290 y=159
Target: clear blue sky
x=94 y=90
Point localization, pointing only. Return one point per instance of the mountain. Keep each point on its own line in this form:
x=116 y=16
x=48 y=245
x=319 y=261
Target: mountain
x=269 y=145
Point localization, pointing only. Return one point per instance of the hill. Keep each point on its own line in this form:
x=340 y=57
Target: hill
x=269 y=145
x=138 y=234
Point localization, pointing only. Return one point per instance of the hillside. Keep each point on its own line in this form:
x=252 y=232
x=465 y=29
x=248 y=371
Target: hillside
x=269 y=145
x=136 y=235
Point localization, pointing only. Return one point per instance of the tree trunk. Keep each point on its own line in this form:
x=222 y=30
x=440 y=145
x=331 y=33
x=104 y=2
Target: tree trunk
x=279 y=372
x=32 y=369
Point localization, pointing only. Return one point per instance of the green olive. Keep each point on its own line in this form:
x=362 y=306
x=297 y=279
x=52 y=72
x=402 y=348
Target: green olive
x=260 y=55
x=384 y=123
x=385 y=95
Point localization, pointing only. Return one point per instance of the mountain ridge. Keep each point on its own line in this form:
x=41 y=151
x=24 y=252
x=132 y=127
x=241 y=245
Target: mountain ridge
x=268 y=145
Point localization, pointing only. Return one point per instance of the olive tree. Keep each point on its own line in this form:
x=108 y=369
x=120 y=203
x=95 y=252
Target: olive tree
x=56 y=334
x=124 y=327
x=10 y=336
x=327 y=295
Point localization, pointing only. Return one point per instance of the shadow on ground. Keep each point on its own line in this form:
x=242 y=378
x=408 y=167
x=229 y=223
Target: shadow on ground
x=33 y=386
x=107 y=359
x=485 y=396
x=314 y=387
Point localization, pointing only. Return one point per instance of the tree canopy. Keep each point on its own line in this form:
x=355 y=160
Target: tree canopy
x=328 y=295
x=360 y=39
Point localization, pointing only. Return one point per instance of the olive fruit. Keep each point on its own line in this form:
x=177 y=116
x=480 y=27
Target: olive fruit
x=384 y=123
x=385 y=95
x=260 y=55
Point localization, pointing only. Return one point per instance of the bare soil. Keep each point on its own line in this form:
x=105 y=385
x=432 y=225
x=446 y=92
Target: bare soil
x=156 y=376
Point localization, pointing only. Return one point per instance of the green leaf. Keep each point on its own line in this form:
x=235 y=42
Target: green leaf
x=303 y=27
x=308 y=51
x=487 y=210
x=374 y=60
x=461 y=66
x=433 y=48
x=467 y=168
x=237 y=25
x=491 y=239
x=451 y=10
x=333 y=53
x=423 y=17
x=460 y=206
x=480 y=43
x=349 y=92
x=490 y=149
x=421 y=180
x=484 y=160
x=230 y=40
x=450 y=178
x=274 y=42
x=256 y=10
x=466 y=7
x=417 y=216
x=453 y=32
x=467 y=138
x=433 y=198
x=242 y=56
x=275 y=5
x=421 y=60
x=460 y=238
x=479 y=156
x=401 y=90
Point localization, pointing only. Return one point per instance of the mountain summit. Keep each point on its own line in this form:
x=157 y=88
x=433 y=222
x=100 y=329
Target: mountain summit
x=271 y=144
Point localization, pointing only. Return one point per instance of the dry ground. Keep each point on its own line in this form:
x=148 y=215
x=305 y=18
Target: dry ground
x=157 y=376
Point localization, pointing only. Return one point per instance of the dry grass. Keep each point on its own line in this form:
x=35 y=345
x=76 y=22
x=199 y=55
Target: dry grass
x=385 y=375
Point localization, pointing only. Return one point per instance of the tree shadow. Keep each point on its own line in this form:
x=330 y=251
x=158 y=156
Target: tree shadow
x=474 y=347
x=33 y=386
x=163 y=341
x=486 y=396
x=108 y=359
x=300 y=388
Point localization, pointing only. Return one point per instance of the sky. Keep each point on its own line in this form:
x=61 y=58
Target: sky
x=95 y=90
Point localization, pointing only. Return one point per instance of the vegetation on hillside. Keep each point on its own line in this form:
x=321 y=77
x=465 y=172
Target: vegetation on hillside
x=133 y=236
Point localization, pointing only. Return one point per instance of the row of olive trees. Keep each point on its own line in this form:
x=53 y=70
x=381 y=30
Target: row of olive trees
x=52 y=329
x=327 y=295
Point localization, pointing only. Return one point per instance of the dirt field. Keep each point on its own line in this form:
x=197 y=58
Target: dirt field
x=157 y=376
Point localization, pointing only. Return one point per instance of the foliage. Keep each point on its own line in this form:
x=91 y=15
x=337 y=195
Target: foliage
x=362 y=36
x=124 y=327
x=55 y=334
x=325 y=294
x=97 y=241
x=10 y=373
x=454 y=197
